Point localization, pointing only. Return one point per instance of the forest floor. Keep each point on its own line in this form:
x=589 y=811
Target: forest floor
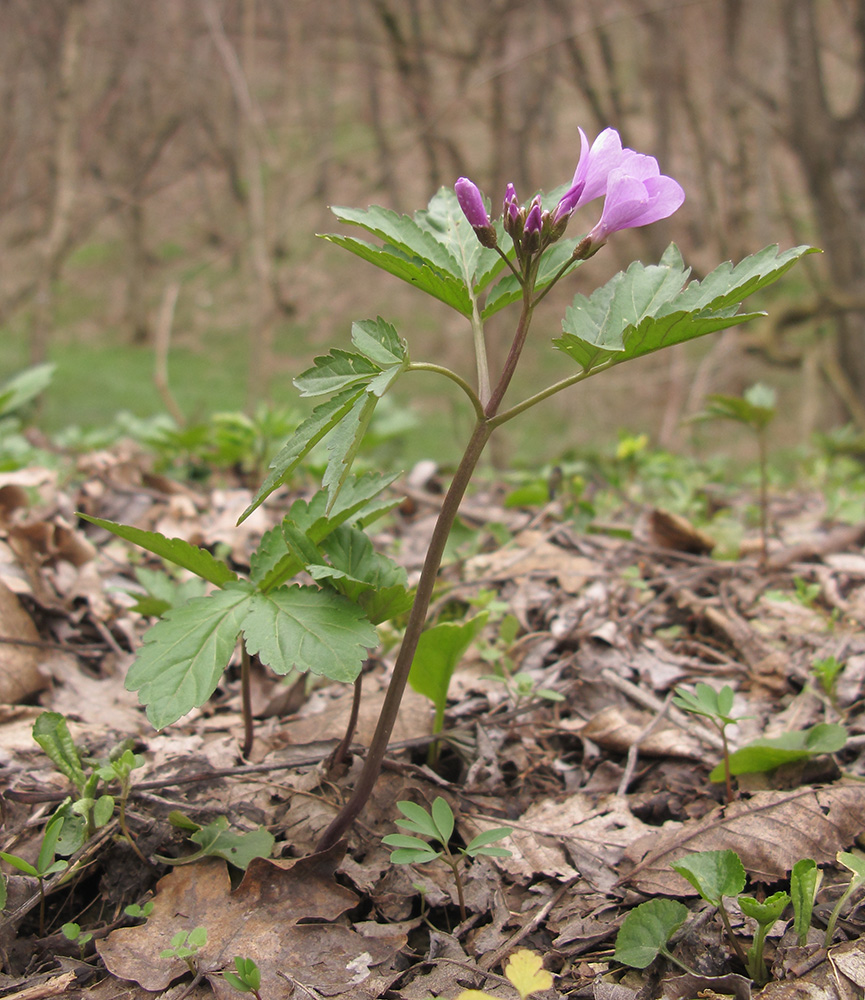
x=602 y=790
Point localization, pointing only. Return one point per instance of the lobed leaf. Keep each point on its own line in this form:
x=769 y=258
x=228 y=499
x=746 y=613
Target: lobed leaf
x=51 y=732
x=525 y=969
x=644 y=309
x=184 y=654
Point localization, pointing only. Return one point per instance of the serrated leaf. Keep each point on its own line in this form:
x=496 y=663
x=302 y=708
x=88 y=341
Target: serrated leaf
x=446 y=222
x=51 y=732
x=343 y=443
x=176 y=550
x=714 y=874
x=185 y=653
x=646 y=930
x=334 y=372
x=645 y=308
x=413 y=270
x=379 y=341
x=308 y=629
x=771 y=752
x=439 y=650
x=320 y=422
x=525 y=970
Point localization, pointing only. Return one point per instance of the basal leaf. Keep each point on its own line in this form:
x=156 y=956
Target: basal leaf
x=308 y=629
x=647 y=929
x=320 y=422
x=713 y=874
x=438 y=652
x=184 y=654
x=414 y=270
x=645 y=308
x=176 y=550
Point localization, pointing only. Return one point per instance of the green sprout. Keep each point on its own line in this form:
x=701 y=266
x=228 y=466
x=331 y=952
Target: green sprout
x=854 y=863
x=185 y=945
x=246 y=978
x=119 y=767
x=767 y=914
x=46 y=865
x=805 y=879
x=438 y=824
x=826 y=672
x=139 y=910
x=714 y=706
x=72 y=932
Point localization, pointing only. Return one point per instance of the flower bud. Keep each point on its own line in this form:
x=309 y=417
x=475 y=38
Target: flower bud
x=472 y=203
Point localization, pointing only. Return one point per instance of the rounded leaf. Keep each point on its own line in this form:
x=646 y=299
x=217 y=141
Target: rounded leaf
x=647 y=929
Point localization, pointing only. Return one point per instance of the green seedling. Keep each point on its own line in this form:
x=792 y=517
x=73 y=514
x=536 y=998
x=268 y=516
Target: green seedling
x=139 y=910
x=767 y=914
x=119 y=767
x=87 y=812
x=646 y=931
x=455 y=253
x=438 y=824
x=216 y=841
x=805 y=879
x=185 y=945
x=46 y=863
x=755 y=409
x=714 y=706
x=716 y=874
x=439 y=650
x=520 y=686
x=826 y=672
x=526 y=973
x=72 y=932
x=768 y=753
x=246 y=978
x=854 y=863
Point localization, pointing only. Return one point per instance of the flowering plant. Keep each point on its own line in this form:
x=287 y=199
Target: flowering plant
x=456 y=253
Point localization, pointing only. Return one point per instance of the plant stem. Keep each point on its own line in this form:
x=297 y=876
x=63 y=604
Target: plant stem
x=341 y=752
x=425 y=366
x=743 y=958
x=423 y=595
x=833 y=919
x=246 y=701
x=726 y=751
x=453 y=864
x=764 y=496
x=481 y=362
x=121 y=818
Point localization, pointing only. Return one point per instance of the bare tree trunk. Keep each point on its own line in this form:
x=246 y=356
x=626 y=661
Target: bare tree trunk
x=55 y=245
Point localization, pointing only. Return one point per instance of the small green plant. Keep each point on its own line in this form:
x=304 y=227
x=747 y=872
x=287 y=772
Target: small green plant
x=755 y=409
x=216 y=841
x=805 y=879
x=119 y=767
x=716 y=874
x=767 y=913
x=520 y=686
x=140 y=911
x=826 y=672
x=714 y=706
x=72 y=932
x=854 y=863
x=185 y=945
x=47 y=863
x=438 y=824
x=246 y=978
x=769 y=752
x=646 y=931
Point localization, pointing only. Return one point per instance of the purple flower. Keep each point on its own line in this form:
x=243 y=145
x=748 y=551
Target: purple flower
x=535 y=218
x=472 y=203
x=590 y=177
x=511 y=207
x=637 y=194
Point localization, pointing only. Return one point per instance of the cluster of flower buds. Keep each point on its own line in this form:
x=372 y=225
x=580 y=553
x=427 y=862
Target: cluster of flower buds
x=636 y=193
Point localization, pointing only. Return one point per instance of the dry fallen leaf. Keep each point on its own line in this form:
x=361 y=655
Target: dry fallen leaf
x=257 y=920
x=19 y=665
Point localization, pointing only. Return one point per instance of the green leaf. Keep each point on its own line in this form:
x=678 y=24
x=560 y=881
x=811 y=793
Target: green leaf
x=479 y=844
x=417 y=819
x=413 y=270
x=854 y=863
x=805 y=879
x=343 y=444
x=646 y=930
x=445 y=221
x=379 y=341
x=713 y=874
x=185 y=653
x=216 y=840
x=3 y=891
x=197 y=937
x=768 y=753
x=768 y=911
x=334 y=372
x=48 y=848
x=645 y=308
x=438 y=652
x=20 y=864
x=51 y=732
x=443 y=817
x=308 y=629
x=410 y=850
x=23 y=387
x=320 y=422
x=176 y=550
x=707 y=702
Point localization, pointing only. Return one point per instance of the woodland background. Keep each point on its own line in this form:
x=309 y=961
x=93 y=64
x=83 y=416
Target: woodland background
x=165 y=165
